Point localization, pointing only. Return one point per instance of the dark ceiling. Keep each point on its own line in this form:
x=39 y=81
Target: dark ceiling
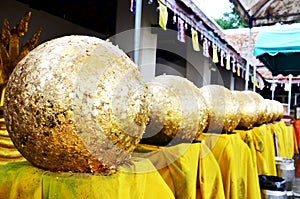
x=97 y=15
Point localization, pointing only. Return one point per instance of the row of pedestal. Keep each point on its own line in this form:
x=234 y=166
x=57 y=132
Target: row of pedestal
x=218 y=166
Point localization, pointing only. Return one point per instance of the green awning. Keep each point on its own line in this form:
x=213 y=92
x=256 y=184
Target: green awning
x=279 y=50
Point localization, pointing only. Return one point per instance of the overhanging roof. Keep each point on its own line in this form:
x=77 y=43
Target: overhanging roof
x=267 y=12
x=279 y=50
x=283 y=40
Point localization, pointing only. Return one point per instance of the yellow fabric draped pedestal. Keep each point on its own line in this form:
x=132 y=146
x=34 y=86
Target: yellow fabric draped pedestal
x=265 y=150
x=285 y=138
x=221 y=166
x=190 y=170
x=22 y=180
x=239 y=174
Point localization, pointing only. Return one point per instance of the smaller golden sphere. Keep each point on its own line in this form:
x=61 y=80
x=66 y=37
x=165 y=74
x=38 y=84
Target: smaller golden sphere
x=247 y=109
x=177 y=112
x=222 y=107
x=261 y=106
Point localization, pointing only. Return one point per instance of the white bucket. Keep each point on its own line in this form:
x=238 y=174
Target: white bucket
x=269 y=194
x=286 y=169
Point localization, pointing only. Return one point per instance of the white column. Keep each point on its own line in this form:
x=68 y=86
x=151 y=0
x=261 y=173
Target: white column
x=248 y=60
x=290 y=94
x=231 y=82
x=147 y=57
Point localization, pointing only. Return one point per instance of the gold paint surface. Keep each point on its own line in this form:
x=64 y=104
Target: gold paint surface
x=280 y=110
x=76 y=103
x=222 y=108
x=177 y=111
x=261 y=107
x=247 y=109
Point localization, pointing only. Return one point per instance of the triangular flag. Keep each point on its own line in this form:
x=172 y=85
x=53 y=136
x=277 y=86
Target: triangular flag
x=238 y=72
x=215 y=58
x=181 y=30
x=132 y=6
x=195 y=40
x=228 y=61
x=205 y=48
x=163 y=16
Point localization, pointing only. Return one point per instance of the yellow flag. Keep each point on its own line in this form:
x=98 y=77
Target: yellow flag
x=195 y=40
x=215 y=54
x=163 y=16
x=238 y=70
x=252 y=79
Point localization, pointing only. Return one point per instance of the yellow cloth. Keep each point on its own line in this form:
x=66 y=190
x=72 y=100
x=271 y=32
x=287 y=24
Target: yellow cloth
x=22 y=180
x=178 y=165
x=238 y=70
x=239 y=175
x=195 y=40
x=288 y=138
x=163 y=16
x=265 y=151
x=210 y=177
x=284 y=140
x=215 y=58
x=246 y=136
x=8 y=152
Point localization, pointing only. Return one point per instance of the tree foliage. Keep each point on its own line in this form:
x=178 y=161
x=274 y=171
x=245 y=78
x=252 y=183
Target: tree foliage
x=231 y=20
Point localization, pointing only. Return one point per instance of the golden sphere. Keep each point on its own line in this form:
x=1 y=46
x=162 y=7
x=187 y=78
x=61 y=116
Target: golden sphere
x=271 y=113
x=76 y=103
x=278 y=110
x=247 y=109
x=261 y=107
x=222 y=107
x=177 y=112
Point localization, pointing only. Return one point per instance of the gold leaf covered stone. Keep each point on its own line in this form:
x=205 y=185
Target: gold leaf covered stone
x=76 y=103
x=261 y=107
x=222 y=108
x=178 y=112
x=247 y=109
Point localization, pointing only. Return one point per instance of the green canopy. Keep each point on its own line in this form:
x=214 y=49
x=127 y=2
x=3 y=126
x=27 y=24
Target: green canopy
x=279 y=50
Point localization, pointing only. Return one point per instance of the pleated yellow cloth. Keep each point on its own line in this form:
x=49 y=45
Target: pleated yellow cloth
x=239 y=175
x=254 y=145
x=287 y=133
x=190 y=170
x=22 y=180
x=285 y=139
x=265 y=150
x=8 y=152
x=210 y=177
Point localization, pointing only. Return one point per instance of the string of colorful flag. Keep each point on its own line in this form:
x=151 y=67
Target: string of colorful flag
x=211 y=47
